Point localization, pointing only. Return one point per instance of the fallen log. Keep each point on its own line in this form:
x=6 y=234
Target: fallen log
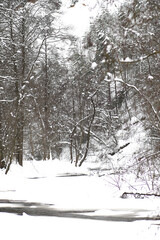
x=137 y=195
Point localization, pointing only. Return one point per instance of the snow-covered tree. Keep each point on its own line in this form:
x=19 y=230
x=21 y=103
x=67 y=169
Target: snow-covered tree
x=124 y=49
x=21 y=41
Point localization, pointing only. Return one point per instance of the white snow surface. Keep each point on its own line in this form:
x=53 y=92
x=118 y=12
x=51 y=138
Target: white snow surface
x=44 y=182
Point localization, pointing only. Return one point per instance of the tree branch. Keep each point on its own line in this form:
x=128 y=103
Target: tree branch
x=141 y=94
x=140 y=59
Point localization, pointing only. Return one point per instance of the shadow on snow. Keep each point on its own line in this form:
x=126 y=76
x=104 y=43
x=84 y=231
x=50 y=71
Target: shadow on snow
x=39 y=209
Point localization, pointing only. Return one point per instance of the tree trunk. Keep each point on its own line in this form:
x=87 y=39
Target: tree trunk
x=46 y=97
x=2 y=163
x=20 y=126
x=18 y=93
x=109 y=99
x=20 y=100
x=88 y=133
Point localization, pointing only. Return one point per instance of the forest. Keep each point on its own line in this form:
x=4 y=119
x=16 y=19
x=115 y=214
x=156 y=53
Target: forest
x=87 y=99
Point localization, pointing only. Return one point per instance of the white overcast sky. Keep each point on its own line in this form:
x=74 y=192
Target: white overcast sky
x=79 y=16
x=82 y=14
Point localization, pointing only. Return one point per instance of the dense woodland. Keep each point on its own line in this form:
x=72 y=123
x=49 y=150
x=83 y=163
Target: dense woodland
x=80 y=100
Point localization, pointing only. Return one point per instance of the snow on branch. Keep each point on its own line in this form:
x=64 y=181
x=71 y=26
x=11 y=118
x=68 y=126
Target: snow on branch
x=140 y=93
x=8 y=100
x=33 y=63
x=128 y=60
x=8 y=78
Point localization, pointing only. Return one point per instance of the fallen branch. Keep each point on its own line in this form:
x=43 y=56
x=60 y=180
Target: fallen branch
x=138 y=195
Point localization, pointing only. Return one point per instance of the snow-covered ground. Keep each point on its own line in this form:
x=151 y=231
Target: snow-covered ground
x=59 y=186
